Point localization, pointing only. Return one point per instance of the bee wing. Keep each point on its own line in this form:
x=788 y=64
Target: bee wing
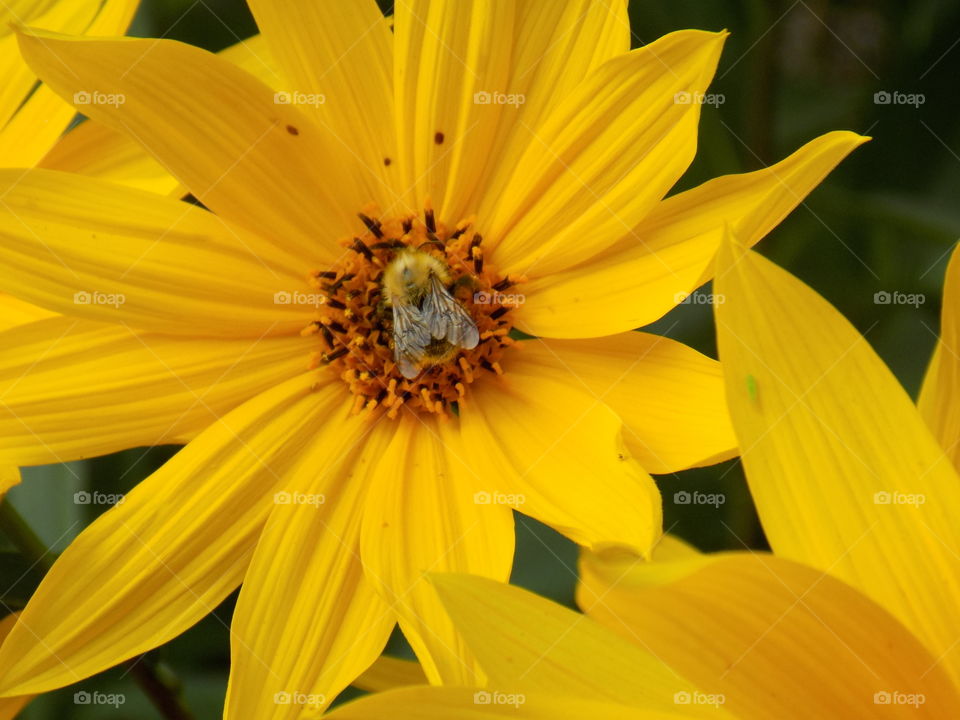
x=447 y=319
x=410 y=336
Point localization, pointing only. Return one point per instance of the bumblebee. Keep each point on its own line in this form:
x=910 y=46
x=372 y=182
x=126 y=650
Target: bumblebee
x=429 y=324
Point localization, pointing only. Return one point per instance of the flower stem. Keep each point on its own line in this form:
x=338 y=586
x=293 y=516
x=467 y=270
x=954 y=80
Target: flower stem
x=162 y=689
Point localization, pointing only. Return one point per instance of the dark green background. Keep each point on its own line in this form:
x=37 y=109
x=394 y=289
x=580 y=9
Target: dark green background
x=885 y=220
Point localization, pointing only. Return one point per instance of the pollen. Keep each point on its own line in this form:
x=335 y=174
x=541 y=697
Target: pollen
x=354 y=326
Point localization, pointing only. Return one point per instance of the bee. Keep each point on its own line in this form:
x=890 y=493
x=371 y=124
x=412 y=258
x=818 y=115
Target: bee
x=429 y=324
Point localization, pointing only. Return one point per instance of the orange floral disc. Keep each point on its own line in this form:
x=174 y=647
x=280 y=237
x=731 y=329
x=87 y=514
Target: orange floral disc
x=354 y=320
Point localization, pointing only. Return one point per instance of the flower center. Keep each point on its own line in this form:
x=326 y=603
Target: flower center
x=412 y=315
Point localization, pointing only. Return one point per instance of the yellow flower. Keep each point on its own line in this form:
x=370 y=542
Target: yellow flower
x=849 y=481
x=522 y=145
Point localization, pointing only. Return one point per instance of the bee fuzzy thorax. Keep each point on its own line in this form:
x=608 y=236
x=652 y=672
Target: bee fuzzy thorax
x=408 y=275
x=405 y=318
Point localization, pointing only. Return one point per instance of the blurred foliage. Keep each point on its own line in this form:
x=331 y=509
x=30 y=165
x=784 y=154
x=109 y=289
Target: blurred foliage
x=885 y=220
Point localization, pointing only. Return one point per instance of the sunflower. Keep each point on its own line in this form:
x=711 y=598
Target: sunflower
x=520 y=152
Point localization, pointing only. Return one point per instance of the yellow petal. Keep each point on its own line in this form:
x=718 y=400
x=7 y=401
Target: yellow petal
x=775 y=638
x=388 y=673
x=10 y=706
x=93 y=249
x=254 y=56
x=844 y=473
x=152 y=566
x=446 y=52
x=670 y=397
x=556 y=45
x=340 y=55
x=941 y=387
x=100 y=151
x=15 y=312
x=30 y=134
x=525 y=641
x=554 y=451
x=264 y=165
x=447 y=703
x=43 y=116
x=69 y=16
x=421 y=516
x=604 y=157
x=308 y=621
x=670 y=252
x=71 y=389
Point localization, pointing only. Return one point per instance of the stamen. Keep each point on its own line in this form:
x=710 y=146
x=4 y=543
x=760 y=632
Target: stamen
x=354 y=320
x=338 y=353
x=372 y=225
x=361 y=247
